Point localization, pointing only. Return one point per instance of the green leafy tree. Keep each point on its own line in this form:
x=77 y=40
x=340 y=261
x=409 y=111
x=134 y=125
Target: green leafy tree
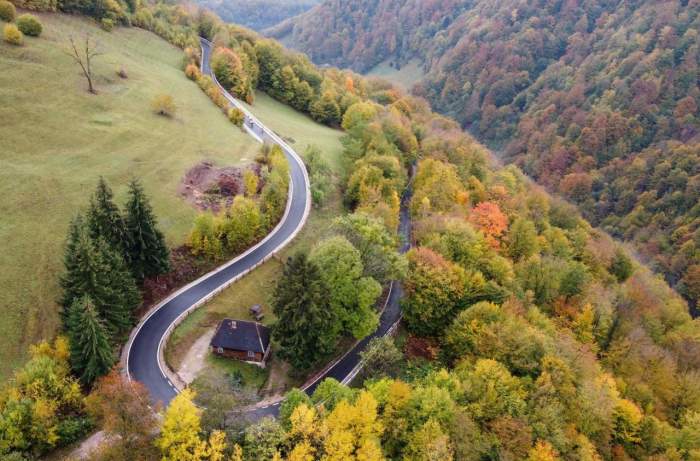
x=306 y=326
x=621 y=266
x=244 y=224
x=522 y=239
x=351 y=296
x=91 y=353
x=147 y=252
x=377 y=246
x=434 y=291
x=263 y=439
x=381 y=358
x=29 y=25
x=325 y=110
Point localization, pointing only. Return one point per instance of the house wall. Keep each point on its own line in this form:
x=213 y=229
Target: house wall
x=239 y=355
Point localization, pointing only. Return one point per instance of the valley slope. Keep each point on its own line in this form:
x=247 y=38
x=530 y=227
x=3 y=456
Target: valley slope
x=597 y=100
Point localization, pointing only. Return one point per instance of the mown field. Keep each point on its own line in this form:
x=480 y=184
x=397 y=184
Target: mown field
x=405 y=77
x=56 y=139
x=299 y=131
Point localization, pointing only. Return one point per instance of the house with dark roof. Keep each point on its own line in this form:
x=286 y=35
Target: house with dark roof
x=242 y=340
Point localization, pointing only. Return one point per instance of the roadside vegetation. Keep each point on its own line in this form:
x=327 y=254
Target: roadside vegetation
x=525 y=328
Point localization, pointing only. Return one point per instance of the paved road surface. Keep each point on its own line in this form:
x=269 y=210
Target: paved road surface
x=143 y=350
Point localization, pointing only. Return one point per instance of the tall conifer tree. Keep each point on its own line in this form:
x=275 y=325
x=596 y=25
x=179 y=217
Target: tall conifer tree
x=306 y=326
x=147 y=252
x=104 y=218
x=91 y=354
x=96 y=270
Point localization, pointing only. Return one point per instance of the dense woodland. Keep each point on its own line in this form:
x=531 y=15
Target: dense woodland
x=257 y=14
x=528 y=334
x=597 y=100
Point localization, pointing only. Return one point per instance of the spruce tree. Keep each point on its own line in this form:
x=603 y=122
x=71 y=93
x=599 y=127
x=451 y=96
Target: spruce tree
x=104 y=218
x=147 y=253
x=72 y=263
x=91 y=354
x=96 y=270
x=305 y=327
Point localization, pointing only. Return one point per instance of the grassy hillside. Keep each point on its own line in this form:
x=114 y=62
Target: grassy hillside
x=57 y=139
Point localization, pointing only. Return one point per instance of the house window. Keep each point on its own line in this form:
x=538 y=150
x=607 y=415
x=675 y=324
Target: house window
x=220 y=350
x=251 y=354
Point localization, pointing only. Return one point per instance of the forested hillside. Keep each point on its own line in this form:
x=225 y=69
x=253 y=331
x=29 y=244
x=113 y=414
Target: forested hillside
x=595 y=99
x=525 y=328
x=257 y=14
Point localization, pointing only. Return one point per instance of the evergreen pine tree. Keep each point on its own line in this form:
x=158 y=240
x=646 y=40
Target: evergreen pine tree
x=72 y=262
x=147 y=253
x=305 y=325
x=104 y=218
x=96 y=270
x=91 y=354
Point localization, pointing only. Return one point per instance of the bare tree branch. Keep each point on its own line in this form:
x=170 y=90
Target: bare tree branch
x=84 y=59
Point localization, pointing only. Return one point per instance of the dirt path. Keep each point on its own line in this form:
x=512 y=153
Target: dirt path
x=193 y=362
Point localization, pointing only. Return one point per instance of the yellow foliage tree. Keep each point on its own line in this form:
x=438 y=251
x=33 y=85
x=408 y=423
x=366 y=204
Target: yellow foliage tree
x=250 y=181
x=179 y=439
x=542 y=451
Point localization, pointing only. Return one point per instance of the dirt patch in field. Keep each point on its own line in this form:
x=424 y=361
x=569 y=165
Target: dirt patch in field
x=196 y=357
x=208 y=187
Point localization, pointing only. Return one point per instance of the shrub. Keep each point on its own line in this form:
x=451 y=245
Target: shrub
x=236 y=116
x=192 y=72
x=12 y=35
x=7 y=11
x=163 y=104
x=107 y=24
x=29 y=25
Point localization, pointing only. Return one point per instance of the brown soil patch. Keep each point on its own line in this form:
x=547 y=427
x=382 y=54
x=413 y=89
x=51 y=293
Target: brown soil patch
x=210 y=188
x=421 y=347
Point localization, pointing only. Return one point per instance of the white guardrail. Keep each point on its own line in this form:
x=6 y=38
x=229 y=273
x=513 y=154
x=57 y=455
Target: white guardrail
x=172 y=377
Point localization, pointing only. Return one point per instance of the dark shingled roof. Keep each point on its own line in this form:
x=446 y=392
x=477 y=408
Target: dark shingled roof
x=241 y=335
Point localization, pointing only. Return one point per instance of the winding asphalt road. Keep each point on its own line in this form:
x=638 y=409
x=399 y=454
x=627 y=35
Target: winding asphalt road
x=144 y=350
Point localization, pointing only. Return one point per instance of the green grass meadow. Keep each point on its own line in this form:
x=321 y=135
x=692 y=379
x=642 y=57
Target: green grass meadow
x=56 y=139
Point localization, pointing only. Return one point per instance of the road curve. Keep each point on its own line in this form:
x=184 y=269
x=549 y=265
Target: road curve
x=143 y=352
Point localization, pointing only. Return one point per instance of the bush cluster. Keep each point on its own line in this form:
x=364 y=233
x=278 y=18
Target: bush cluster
x=29 y=25
x=12 y=35
x=163 y=104
x=7 y=11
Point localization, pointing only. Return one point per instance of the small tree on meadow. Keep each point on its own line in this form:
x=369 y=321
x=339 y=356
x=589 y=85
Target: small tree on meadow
x=83 y=54
x=164 y=105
